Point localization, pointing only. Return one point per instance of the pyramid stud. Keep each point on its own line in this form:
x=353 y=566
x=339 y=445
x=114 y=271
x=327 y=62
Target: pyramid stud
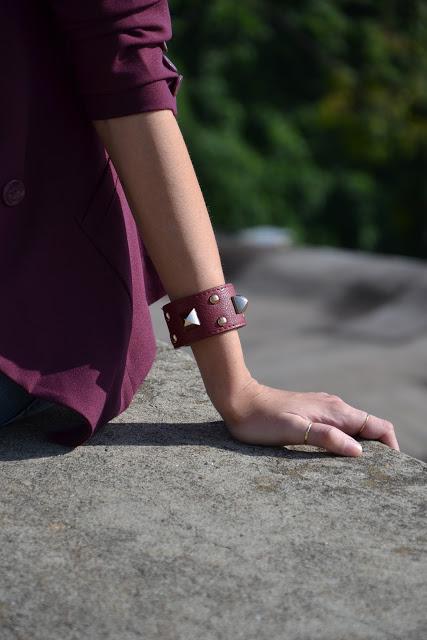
x=191 y=319
x=167 y=314
x=214 y=298
x=240 y=303
x=174 y=338
x=221 y=320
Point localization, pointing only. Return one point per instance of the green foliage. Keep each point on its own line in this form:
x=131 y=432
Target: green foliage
x=311 y=114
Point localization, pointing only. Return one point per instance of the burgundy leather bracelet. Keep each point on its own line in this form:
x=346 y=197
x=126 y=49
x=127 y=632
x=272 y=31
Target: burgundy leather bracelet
x=204 y=314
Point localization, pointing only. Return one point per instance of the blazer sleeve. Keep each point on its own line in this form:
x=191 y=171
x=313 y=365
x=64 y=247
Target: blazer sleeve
x=117 y=50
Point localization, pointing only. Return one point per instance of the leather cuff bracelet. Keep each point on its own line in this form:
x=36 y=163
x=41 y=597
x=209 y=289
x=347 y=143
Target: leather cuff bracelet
x=204 y=314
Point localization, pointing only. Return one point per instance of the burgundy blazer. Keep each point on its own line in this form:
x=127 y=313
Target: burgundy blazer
x=76 y=281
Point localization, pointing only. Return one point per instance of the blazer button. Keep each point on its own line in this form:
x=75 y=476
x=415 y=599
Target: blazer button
x=13 y=192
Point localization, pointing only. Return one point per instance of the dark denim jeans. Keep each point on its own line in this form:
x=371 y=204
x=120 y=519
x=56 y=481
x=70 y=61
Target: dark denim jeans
x=16 y=402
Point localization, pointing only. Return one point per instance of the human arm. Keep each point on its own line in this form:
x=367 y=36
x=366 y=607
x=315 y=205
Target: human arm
x=157 y=174
x=158 y=177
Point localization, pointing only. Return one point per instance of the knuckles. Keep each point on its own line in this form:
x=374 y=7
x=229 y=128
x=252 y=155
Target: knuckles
x=331 y=398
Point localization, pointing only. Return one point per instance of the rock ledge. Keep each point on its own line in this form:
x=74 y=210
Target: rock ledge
x=163 y=527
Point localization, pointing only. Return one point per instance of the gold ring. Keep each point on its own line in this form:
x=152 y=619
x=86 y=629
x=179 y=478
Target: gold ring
x=364 y=424
x=310 y=424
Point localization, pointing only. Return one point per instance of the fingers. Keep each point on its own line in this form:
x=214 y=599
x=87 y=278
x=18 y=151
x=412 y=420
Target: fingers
x=290 y=429
x=349 y=419
x=333 y=439
x=382 y=430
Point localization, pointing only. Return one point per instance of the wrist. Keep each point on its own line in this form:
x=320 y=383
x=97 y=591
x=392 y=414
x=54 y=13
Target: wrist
x=223 y=370
x=221 y=362
x=232 y=406
x=207 y=321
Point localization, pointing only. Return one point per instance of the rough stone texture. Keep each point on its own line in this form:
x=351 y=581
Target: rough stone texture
x=345 y=322
x=163 y=527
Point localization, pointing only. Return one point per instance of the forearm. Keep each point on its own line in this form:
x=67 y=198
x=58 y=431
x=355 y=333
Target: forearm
x=158 y=177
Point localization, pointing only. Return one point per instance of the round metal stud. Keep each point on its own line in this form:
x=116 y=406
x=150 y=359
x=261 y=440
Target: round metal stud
x=174 y=338
x=167 y=314
x=214 y=298
x=13 y=192
x=221 y=320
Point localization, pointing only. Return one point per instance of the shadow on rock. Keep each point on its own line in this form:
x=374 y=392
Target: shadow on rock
x=28 y=440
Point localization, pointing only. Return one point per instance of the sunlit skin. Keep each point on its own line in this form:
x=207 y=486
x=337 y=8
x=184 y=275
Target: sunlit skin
x=159 y=179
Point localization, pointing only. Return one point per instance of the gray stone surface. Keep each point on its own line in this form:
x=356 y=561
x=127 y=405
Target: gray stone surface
x=345 y=322
x=164 y=527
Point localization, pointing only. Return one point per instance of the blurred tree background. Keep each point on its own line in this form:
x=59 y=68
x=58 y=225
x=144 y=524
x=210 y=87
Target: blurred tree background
x=309 y=114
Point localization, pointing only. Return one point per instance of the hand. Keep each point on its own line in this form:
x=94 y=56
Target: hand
x=258 y=414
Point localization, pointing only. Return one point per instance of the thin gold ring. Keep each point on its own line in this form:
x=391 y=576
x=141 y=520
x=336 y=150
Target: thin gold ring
x=310 y=424
x=363 y=425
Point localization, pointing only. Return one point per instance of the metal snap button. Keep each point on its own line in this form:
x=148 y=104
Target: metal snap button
x=13 y=192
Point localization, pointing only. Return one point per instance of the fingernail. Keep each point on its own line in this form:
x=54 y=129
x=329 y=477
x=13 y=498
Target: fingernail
x=353 y=447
